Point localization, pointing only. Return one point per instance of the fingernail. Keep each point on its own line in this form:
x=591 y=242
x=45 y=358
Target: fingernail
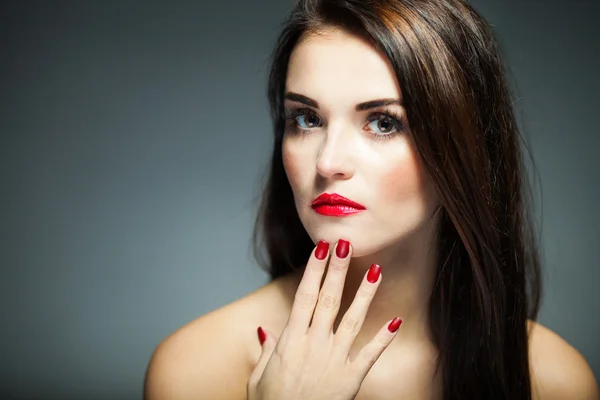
x=374 y=273
x=342 y=249
x=321 y=251
x=394 y=325
x=261 y=335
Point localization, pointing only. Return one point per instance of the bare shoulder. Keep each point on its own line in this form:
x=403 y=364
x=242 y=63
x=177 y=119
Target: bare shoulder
x=558 y=370
x=213 y=356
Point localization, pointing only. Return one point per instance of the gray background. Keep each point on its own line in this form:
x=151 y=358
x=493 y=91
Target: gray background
x=133 y=138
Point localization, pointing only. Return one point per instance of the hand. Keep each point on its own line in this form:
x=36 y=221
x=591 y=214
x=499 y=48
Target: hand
x=310 y=361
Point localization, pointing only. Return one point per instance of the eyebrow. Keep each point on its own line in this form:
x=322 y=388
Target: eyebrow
x=359 y=107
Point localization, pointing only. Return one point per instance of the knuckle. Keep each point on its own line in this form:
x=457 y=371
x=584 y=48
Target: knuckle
x=369 y=357
x=327 y=301
x=364 y=292
x=278 y=352
x=338 y=266
x=381 y=341
x=252 y=382
x=349 y=323
x=305 y=299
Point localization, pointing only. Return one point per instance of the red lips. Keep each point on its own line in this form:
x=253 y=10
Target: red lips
x=336 y=205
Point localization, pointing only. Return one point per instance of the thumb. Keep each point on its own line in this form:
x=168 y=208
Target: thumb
x=268 y=342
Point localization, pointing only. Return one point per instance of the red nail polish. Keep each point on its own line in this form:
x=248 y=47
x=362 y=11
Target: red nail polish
x=374 y=273
x=322 y=249
x=394 y=325
x=342 y=249
x=261 y=335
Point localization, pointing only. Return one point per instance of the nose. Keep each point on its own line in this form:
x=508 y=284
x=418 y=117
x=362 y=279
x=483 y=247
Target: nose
x=335 y=156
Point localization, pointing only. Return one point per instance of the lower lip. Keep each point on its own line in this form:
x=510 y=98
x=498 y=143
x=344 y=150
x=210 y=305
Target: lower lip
x=336 y=210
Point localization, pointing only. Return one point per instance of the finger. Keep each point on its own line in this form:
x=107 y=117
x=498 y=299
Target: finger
x=355 y=315
x=308 y=291
x=268 y=343
x=371 y=352
x=330 y=295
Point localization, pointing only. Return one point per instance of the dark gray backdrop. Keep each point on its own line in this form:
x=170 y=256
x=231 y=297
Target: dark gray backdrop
x=133 y=135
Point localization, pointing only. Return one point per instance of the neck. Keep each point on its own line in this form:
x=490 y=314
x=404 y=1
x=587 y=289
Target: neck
x=408 y=275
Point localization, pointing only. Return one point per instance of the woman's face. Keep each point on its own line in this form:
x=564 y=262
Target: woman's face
x=364 y=153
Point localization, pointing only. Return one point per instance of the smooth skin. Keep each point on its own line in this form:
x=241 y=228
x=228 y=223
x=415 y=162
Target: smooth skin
x=338 y=149
x=310 y=361
x=218 y=356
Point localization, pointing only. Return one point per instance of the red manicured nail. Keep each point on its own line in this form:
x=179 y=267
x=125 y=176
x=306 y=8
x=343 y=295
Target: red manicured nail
x=322 y=249
x=394 y=325
x=261 y=335
x=374 y=273
x=342 y=249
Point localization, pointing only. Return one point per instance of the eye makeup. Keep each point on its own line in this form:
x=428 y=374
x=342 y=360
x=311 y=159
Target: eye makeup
x=303 y=120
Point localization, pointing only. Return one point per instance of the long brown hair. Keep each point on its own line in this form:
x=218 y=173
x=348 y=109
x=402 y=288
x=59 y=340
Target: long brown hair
x=458 y=101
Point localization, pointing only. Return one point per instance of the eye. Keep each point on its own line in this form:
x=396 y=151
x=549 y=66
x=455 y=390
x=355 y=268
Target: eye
x=383 y=124
x=307 y=120
x=302 y=119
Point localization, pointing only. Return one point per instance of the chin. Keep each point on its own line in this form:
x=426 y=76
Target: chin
x=362 y=245
x=363 y=241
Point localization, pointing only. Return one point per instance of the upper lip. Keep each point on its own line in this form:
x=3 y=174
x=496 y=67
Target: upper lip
x=336 y=199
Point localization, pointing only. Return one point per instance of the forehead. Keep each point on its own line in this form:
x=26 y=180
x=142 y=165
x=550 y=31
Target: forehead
x=335 y=67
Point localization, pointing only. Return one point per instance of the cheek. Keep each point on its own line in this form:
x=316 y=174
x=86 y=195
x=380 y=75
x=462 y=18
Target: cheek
x=292 y=164
x=405 y=180
x=289 y=163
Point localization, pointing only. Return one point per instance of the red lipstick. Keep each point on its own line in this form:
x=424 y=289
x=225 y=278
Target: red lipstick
x=336 y=205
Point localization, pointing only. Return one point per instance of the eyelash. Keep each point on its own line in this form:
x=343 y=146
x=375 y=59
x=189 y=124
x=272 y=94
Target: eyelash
x=398 y=121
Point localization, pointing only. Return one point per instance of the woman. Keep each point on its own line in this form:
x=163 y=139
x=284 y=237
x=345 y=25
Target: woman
x=396 y=193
